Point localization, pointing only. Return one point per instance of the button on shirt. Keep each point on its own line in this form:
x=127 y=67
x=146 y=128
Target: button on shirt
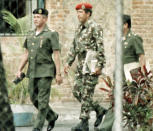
x=40 y=48
x=132 y=48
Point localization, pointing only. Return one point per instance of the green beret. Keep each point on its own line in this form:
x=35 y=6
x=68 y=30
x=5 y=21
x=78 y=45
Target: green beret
x=41 y=11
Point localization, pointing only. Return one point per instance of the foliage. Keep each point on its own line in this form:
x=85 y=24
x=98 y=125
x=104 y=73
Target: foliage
x=18 y=94
x=137 y=101
x=20 y=26
x=9 y=18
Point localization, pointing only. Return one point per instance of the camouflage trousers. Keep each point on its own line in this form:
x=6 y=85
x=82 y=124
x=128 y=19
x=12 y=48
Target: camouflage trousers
x=39 y=90
x=83 y=91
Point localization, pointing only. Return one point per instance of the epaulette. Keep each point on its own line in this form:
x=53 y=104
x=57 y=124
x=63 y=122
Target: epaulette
x=51 y=30
x=134 y=34
x=30 y=32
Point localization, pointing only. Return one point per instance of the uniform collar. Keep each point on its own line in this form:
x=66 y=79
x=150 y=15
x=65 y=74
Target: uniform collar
x=86 y=24
x=129 y=34
x=44 y=30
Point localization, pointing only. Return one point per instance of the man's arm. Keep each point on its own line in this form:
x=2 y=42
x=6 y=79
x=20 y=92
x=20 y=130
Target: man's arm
x=71 y=54
x=98 y=35
x=23 y=63
x=71 y=57
x=142 y=62
x=138 y=44
x=57 y=64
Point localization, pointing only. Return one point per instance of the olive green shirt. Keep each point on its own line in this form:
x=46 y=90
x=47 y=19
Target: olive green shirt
x=40 y=48
x=132 y=48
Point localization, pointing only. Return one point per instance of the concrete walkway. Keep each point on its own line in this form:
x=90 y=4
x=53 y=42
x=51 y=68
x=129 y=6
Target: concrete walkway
x=68 y=116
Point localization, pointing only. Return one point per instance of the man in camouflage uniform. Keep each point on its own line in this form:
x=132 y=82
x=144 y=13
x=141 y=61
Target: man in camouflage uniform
x=88 y=47
x=40 y=44
x=6 y=115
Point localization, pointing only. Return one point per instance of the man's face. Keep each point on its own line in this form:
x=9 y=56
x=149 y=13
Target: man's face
x=125 y=27
x=39 y=20
x=82 y=16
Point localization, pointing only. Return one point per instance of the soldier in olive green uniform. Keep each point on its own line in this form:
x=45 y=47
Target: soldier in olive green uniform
x=88 y=47
x=6 y=115
x=133 y=53
x=40 y=44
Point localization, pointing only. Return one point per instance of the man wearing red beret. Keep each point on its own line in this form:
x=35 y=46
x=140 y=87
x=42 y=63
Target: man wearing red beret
x=88 y=47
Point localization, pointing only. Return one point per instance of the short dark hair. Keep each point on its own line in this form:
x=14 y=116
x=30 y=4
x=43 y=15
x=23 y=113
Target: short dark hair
x=127 y=19
x=88 y=11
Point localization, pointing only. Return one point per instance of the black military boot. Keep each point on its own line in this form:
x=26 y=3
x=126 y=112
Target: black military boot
x=99 y=116
x=51 y=124
x=82 y=126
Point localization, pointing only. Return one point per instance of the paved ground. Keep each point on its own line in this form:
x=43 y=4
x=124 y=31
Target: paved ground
x=60 y=126
x=68 y=116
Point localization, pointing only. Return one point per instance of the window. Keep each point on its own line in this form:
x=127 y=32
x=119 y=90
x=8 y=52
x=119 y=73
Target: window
x=12 y=11
x=22 y=13
x=41 y=4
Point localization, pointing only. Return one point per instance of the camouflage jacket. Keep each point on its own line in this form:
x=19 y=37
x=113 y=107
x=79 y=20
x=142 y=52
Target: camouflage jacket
x=87 y=37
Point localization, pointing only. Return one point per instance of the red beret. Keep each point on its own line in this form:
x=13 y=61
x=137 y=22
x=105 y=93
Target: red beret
x=83 y=6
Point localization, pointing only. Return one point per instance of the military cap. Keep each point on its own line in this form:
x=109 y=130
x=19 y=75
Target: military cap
x=83 y=6
x=41 y=11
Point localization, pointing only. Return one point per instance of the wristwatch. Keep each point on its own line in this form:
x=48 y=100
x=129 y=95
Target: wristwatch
x=59 y=74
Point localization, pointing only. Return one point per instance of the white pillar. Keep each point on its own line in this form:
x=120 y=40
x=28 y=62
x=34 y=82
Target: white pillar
x=118 y=68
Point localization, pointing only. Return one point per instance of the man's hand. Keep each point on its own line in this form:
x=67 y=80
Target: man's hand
x=97 y=71
x=23 y=63
x=59 y=79
x=66 y=69
x=142 y=70
x=18 y=74
x=142 y=62
x=57 y=64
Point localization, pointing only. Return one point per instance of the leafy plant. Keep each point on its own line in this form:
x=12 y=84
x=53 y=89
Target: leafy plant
x=20 y=26
x=18 y=94
x=137 y=100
